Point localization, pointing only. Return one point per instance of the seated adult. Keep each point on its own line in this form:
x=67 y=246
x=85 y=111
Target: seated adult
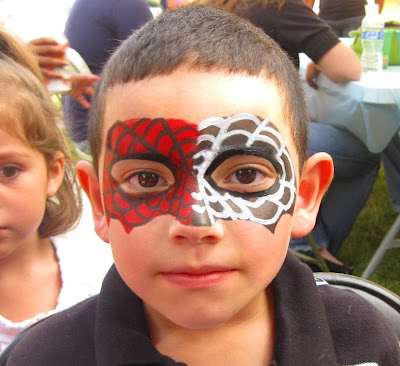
x=342 y=16
x=356 y=170
x=297 y=29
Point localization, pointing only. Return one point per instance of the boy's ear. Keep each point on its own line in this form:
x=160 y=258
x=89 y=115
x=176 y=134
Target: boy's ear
x=90 y=184
x=314 y=181
x=56 y=173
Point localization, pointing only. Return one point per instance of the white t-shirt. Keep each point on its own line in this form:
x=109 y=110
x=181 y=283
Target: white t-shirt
x=84 y=259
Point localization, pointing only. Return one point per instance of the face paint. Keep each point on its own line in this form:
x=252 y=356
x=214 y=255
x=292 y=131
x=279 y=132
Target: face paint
x=243 y=134
x=192 y=166
x=167 y=142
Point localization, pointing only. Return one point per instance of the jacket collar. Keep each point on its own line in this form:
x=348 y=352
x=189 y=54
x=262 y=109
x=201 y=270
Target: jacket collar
x=302 y=330
x=120 y=321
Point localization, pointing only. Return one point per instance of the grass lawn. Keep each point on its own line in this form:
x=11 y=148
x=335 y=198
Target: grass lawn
x=371 y=226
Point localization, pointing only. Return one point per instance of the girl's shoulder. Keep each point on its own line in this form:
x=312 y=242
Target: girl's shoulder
x=84 y=260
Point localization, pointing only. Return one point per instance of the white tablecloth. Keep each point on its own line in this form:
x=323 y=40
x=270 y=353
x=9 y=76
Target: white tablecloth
x=369 y=108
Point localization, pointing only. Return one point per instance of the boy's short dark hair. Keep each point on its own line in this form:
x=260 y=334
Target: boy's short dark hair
x=201 y=38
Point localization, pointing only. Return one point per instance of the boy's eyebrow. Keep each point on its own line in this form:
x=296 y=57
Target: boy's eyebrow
x=156 y=157
x=227 y=151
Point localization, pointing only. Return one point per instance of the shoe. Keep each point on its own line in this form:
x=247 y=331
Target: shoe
x=333 y=267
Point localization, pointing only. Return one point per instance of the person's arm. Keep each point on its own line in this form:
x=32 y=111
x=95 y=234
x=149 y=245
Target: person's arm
x=380 y=3
x=298 y=28
x=332 y=64
x=310 y=3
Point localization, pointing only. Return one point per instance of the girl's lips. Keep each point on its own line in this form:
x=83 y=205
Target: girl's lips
x=198 y=278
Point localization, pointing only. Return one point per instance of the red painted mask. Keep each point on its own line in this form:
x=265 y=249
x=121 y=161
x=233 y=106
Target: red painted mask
x=189 y=154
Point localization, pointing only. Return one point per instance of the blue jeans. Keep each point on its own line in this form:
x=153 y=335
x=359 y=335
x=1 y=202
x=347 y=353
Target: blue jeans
x=356 y=169
x=342 y=27
x=391 y=163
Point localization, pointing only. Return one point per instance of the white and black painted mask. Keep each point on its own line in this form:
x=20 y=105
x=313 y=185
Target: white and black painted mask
x=233 y=168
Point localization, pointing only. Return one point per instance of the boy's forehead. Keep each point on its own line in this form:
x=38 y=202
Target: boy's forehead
x=194 y=96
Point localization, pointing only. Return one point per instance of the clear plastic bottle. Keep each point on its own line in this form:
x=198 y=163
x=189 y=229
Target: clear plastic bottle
x=59 y=86
x=372 y=39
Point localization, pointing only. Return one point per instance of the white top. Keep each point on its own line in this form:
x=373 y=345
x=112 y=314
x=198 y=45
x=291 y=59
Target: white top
x=84 y=259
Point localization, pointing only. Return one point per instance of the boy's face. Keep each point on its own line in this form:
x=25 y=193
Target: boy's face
x=198 y=209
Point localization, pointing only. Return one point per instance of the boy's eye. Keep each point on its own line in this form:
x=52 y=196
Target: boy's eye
x=141 y=179
x=148 y=179
x=245 y=173
x=9 y=171
x=144 y=180
x=143 y=184
x=245 y=176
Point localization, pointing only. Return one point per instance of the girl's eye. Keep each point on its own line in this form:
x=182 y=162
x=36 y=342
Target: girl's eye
x=9 y=171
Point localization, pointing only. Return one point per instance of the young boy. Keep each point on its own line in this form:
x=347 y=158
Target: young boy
x=200 y=177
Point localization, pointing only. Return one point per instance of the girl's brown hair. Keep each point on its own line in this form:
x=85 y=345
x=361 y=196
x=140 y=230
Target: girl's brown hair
x=15 y=48
x=28 y=113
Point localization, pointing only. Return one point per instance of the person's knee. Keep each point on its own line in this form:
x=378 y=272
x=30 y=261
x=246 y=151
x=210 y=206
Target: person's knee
x=350 y=156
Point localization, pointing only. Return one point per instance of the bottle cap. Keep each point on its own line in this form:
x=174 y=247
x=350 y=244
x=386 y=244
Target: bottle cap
x=371 y=8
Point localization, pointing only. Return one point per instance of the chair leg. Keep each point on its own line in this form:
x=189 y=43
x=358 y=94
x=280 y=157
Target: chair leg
x=317 y=254
x=318 y=259
x=388 y=241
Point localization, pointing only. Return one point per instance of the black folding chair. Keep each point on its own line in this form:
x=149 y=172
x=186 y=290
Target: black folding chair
x=387 y=302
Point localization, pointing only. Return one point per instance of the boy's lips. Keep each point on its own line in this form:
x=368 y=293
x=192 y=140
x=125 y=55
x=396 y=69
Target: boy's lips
x=197 y=277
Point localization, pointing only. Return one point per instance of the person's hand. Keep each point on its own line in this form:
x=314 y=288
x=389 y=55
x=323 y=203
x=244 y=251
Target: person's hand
x=312 y=72
x=50 y=54
x=82 y=86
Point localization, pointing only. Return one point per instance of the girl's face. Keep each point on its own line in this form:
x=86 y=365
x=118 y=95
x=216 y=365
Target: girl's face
x=25 y=184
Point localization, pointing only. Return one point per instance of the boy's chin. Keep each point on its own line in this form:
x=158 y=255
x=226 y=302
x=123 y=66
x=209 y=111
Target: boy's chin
x=191 y=317
x=202 y=314
x=196 y=321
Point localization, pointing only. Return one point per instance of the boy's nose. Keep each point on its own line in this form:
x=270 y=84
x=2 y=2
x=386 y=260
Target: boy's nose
x=186 y=213
x=195 y=233
x=199 y=219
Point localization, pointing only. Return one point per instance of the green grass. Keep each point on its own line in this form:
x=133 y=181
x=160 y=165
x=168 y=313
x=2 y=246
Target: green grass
x=371 y=226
